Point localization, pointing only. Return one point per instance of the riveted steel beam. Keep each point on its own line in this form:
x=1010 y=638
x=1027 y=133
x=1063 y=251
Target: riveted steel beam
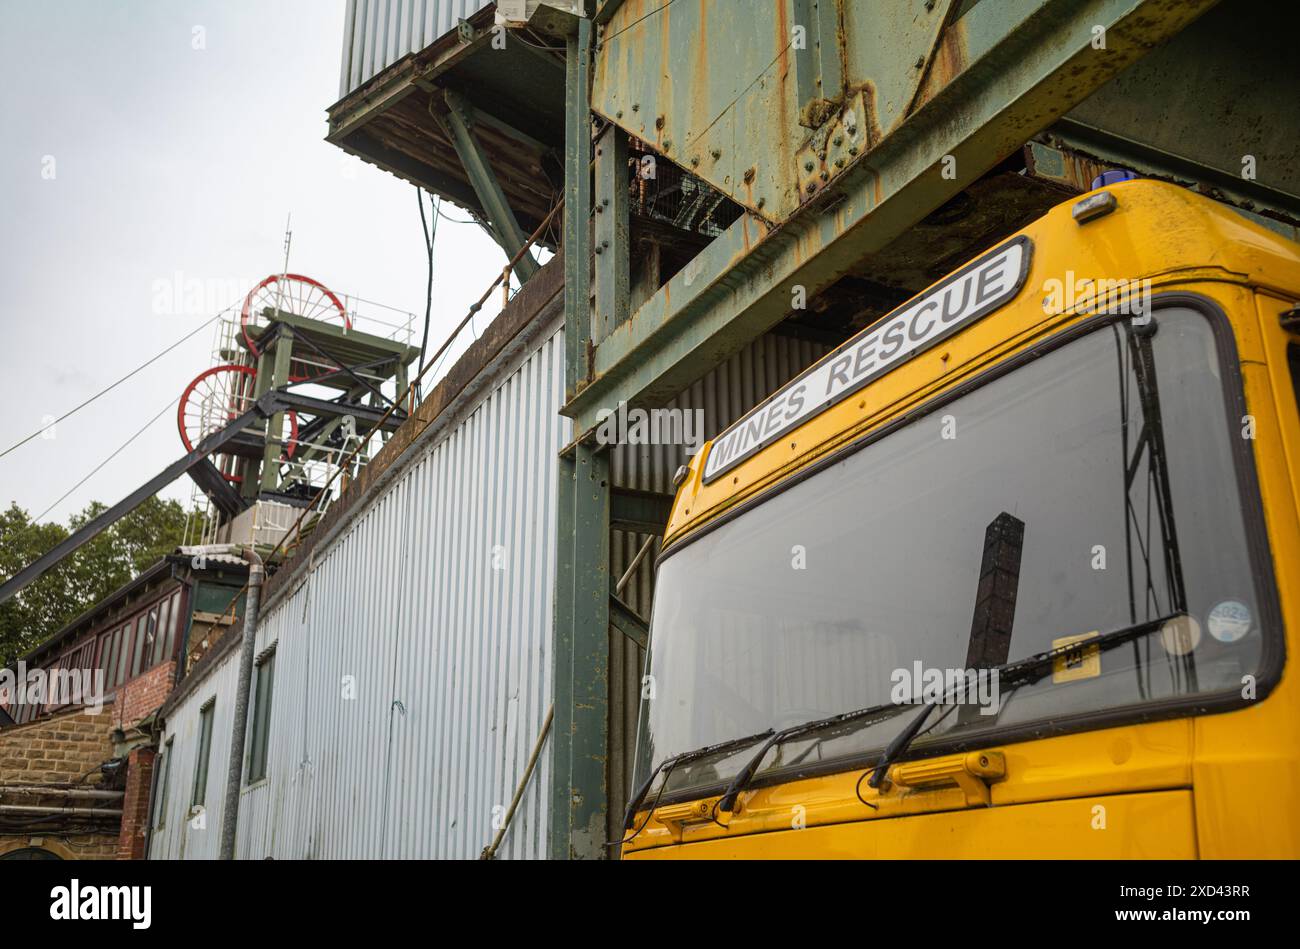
x=613 y=266
x=1026 y=64
x=579 y=789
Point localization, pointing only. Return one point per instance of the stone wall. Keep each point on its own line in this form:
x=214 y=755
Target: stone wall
x=59 y=751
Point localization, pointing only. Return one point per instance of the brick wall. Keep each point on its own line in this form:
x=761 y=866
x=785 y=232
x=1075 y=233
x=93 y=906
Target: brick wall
x=135 y=805
x=58 y=750
x=142 y=696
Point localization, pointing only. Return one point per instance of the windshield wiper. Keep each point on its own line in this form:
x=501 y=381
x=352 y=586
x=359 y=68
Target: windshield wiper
x=686 y=756
x=1018 y=673
x=728 y=800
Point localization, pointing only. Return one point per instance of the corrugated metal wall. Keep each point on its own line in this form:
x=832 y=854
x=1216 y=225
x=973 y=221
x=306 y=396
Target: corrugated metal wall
x=377 y=33
x=413 y=666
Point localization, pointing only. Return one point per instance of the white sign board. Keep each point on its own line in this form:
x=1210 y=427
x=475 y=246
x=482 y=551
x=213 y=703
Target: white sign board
x=950 y=305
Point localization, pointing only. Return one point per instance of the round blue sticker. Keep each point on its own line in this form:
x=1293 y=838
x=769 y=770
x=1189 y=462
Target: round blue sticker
x=1229 y=621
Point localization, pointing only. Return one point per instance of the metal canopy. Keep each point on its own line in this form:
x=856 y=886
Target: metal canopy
x=398 y=120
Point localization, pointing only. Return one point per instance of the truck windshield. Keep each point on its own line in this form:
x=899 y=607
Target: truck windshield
x=1087 y=490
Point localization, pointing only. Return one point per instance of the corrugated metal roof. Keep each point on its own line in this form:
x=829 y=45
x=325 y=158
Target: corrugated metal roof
x=377 y=33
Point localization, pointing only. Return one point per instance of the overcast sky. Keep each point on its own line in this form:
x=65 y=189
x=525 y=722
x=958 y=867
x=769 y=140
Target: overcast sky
x=132 y=162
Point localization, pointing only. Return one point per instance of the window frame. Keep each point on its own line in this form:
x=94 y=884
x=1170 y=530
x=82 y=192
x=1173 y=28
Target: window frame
x=207 y=717
x=259 y=724
x=1273 y=656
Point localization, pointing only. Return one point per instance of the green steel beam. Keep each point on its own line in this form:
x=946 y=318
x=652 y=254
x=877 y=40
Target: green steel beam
x=460 y=122
x=613 y=265
x=628 y=621
x=1028 y=64
x=577 y=208
x=640 y=512
x=579 y=789
x=561 y=818
x=819 y=68
x=591 y=585
x=604 y=10
x=270 y=476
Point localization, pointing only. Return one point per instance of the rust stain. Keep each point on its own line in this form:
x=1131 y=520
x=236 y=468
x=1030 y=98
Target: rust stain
x=948 y=61
x=872 y=117
x=784 y=95
x=698 y=111
x=663 y=84
x=747 y=182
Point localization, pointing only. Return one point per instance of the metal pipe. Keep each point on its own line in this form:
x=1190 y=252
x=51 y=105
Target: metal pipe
x=490 y=851
x=234 y=766
x=88 y=793
x=153 y=804
x=74 y=811
x=631 y=568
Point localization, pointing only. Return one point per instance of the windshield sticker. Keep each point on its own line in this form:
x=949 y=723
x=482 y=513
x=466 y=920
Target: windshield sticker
x=1180 y=635
x=967 y=295
x=1229 y=621
x=1081 y=663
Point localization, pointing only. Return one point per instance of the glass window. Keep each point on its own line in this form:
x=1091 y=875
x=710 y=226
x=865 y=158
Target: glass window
x=1088 y=490
x=163 y=611
x=124 y=654
x=173 y=625
x=150 y=640
x=138 y=652
x=261 y=724
x=199 y=795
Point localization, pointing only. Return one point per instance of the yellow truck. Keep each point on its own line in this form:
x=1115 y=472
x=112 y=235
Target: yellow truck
x=1014 y=572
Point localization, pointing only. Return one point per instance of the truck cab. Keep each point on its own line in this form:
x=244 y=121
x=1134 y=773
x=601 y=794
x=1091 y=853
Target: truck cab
x=1013 y=572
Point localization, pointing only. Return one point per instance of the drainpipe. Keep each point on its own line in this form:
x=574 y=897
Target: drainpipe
x=234 y=768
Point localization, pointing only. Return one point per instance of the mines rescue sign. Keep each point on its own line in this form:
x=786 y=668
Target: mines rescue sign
x=954 y=303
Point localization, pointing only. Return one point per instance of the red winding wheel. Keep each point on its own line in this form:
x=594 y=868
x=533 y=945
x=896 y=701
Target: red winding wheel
x=291 y=293
x=217 y=397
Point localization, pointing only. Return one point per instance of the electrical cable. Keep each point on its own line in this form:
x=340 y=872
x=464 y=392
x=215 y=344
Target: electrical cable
x=121 y=448
x=107 y=389
x=454 y=220
x=659 y=9
x=429 y=238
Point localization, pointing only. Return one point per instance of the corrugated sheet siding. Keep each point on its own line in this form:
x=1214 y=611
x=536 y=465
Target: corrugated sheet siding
x=448 y=658
x=413 y=667
x=725 y=394
x=377 y=33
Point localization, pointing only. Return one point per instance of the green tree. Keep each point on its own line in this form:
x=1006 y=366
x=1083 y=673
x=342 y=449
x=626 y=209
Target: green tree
x=95 y=570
